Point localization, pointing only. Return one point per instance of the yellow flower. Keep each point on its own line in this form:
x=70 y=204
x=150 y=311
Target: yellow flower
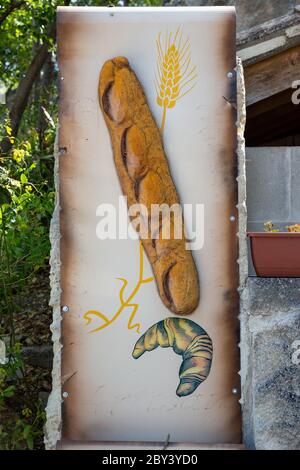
x=26 y=412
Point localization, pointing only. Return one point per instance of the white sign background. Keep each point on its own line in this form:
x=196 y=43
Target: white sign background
x=112 y=396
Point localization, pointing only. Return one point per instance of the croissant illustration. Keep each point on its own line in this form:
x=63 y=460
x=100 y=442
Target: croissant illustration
x=188 y=340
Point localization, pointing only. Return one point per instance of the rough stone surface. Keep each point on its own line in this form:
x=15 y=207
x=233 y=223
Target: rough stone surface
x=276 y=382
x=270 y=323
x=53 y=409
x=271 y=387
x=245 y=350
x=242 y=187
x=251 y=13
x=268 y=296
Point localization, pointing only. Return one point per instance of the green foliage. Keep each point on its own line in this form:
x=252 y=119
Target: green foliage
x=26 y=204
x=21 y=32
x=270 y=227
x=26 y=196
x=21 y=428
x=147 y=3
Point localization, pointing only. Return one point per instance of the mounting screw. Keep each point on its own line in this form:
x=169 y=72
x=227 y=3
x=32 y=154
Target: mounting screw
x=232 y=218
x=62 y=150
x=65 y=395
x=230 y=75
x=235 y=391
x=65 y=309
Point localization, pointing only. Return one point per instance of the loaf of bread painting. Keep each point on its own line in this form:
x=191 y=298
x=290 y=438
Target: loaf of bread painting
x=145 y=178
x=188 y=340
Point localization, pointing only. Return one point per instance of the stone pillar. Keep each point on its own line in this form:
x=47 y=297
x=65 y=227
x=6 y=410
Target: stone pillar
x=53 y=409
x=271 y=400
x=269 y=308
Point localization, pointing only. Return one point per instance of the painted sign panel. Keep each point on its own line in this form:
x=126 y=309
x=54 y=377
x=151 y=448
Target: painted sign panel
x=148 y=222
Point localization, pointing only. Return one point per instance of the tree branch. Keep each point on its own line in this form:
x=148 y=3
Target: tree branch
x=13 y=6
x=24 y=88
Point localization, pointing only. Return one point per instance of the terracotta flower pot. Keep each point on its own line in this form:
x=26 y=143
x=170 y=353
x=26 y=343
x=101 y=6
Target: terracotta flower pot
x=275 y=254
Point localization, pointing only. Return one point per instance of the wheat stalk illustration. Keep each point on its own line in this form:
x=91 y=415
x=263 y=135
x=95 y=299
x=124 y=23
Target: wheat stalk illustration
x=175 y=76
x=124 y=302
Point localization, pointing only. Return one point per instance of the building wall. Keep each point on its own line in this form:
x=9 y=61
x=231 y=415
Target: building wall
x=273 y=175
x=273 y=191
x=252 y=12
x=270 y=310
x=271 y=386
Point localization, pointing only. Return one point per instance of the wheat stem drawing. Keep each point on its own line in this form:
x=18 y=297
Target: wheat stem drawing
x=174 y=76
x=124 y=303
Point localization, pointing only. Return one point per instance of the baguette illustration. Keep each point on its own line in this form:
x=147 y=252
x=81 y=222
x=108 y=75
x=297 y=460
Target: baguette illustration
x=145 y=179
x=188 y=340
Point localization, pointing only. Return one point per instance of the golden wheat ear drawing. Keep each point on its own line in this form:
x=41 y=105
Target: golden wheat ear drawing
x=175 y=75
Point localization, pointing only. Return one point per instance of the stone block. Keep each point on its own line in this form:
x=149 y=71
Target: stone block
x=268 y=296
x=276 y=383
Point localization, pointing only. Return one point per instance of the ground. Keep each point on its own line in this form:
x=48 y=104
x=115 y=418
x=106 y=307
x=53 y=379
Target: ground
x=22 y=416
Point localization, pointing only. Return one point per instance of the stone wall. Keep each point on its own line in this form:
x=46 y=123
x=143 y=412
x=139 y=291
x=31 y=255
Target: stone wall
x=271 y=390
x=252 y=12
x=269 y=308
